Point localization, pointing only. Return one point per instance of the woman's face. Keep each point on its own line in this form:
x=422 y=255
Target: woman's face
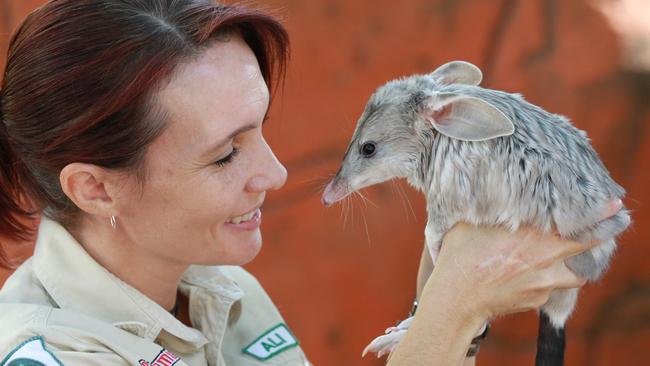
x=209 y=171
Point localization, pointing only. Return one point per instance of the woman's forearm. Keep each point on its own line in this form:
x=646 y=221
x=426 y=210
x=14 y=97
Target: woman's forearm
x=442 y=330
x=425 y=269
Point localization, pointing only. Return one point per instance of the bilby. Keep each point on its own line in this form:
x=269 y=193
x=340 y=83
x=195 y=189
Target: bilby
x=486 y=157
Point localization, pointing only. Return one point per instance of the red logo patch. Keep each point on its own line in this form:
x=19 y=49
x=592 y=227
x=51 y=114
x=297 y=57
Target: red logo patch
x=164 y=358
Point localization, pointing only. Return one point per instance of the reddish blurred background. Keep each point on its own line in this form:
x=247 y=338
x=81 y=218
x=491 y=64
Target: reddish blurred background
x=340 y=276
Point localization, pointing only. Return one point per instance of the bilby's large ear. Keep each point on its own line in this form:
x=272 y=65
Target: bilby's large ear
x=458 y=72
x=466 y=118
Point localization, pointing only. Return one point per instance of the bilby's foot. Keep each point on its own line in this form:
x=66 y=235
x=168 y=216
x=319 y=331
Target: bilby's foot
x=386 y=343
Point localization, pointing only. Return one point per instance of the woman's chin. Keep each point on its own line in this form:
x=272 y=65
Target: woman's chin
x=248 y=252
x=241 y=250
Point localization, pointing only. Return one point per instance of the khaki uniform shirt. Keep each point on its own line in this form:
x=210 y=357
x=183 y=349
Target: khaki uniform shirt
x=62 y=308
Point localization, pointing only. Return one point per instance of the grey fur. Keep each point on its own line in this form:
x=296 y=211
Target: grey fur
x=543 y=174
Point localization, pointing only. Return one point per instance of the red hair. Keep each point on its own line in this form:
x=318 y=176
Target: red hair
x=78 y=84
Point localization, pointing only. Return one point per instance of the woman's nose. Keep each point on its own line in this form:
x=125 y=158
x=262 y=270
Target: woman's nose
x=272 y=174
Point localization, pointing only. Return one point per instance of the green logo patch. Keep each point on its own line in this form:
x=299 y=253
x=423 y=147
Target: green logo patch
x=271 y=343
x=32 y=352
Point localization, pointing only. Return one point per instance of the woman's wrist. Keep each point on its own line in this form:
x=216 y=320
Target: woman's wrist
x=443 y=328
x=453 y=299
x=449 y=286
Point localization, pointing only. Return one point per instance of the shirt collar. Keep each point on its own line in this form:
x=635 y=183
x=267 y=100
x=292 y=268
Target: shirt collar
x=213 y=279
x=75 y=281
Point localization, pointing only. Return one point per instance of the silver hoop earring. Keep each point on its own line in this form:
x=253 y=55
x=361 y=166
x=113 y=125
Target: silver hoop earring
x=113 y=222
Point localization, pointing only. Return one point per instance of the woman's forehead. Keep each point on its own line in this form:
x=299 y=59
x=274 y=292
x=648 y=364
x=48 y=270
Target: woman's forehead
x=215 y=93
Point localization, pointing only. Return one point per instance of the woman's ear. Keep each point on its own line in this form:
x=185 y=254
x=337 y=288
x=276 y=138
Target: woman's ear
x=86 y=186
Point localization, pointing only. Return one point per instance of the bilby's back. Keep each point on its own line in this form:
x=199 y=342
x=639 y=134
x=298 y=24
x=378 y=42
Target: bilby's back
x=544 y=174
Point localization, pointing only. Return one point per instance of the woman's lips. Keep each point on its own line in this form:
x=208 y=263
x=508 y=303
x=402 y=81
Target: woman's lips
x=250 y=224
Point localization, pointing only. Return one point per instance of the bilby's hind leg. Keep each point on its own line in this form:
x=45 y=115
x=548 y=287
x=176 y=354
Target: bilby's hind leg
x=589 y=265
x=560 y=305
x=593 y=263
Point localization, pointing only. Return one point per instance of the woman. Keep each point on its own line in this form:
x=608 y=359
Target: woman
x=135 y=126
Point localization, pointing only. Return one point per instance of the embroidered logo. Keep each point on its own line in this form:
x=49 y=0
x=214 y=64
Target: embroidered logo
x=271 y=343
x=32 y=352
x=164 y=358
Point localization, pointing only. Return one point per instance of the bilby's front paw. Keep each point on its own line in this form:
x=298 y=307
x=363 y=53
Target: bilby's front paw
x=386 y=343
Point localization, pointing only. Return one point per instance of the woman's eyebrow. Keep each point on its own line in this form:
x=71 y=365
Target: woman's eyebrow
x=215 y=148
x=211 y=152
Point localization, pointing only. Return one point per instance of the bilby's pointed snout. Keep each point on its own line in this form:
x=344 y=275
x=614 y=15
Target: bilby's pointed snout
x=325 y=201
x=335 y=191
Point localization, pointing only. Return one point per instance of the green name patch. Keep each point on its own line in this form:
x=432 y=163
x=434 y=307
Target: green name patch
x=272 y=342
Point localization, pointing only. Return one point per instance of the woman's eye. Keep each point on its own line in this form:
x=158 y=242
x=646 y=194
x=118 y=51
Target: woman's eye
x=368 y=149
x=228 y=159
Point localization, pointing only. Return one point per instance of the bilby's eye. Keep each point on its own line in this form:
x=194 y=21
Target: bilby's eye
x=368 y=149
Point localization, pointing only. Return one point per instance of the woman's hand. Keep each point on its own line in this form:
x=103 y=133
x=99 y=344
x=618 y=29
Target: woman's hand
x=500 y=272
x=482 y=272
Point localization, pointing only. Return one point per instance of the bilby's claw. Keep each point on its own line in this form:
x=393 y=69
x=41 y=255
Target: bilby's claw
x=385 y=344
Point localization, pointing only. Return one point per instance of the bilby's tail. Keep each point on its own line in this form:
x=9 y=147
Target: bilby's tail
x=550 y=343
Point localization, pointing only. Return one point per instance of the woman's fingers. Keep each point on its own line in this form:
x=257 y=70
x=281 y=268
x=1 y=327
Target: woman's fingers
x=561 y=277
x=543 y=282
x=611 y=208
x=568 y=248
x=542 y=250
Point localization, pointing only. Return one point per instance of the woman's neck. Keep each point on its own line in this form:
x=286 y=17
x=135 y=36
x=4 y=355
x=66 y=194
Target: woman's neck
x=155 y=276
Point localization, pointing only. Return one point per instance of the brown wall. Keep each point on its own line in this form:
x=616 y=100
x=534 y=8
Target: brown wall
x=341 y=276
